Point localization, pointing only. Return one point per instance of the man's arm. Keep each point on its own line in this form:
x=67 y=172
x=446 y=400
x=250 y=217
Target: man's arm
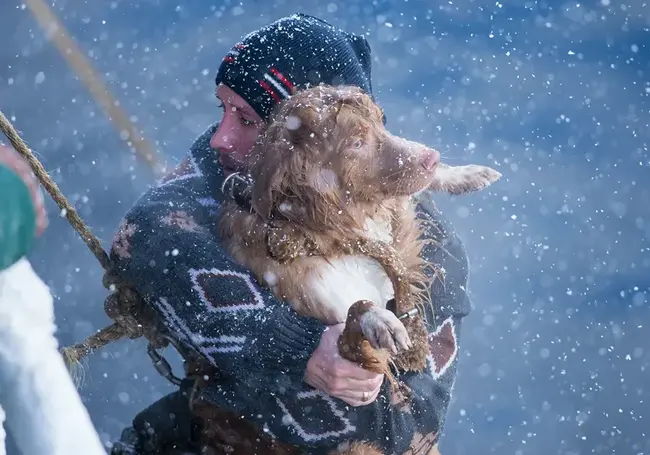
x=166 y=250
x=310 y=418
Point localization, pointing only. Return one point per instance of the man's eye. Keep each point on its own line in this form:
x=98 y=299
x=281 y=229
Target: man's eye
x=247 y=122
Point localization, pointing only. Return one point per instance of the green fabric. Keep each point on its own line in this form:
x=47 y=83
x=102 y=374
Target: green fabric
x=17 y=218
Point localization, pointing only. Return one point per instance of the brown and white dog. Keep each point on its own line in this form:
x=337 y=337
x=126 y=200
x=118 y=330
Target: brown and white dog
x=332 y=227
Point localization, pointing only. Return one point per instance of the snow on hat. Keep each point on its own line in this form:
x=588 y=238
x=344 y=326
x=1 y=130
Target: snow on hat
x=294 y=52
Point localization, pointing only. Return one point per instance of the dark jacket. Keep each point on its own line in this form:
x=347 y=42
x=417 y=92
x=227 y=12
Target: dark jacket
x=167 y=249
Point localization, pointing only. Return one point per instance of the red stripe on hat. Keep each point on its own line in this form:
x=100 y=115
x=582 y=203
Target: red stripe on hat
x=282 y=79
x=228 y=59
x=240 y=46
x=270 y=91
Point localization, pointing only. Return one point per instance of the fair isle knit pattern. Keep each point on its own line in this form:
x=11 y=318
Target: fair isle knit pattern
x=167 y=248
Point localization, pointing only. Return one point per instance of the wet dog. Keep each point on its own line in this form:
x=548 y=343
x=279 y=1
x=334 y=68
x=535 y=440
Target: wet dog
x=332 y=228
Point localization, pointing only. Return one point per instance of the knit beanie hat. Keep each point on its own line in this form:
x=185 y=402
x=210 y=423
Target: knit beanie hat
x=295 y=52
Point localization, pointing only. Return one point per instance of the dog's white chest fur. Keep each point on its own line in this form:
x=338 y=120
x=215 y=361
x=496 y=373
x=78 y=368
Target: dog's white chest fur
x=340 y=282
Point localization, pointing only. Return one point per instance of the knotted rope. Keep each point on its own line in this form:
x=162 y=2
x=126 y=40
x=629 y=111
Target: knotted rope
x=132 y=318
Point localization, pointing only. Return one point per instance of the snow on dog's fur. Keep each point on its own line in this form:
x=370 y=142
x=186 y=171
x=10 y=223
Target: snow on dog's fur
x=333 y=229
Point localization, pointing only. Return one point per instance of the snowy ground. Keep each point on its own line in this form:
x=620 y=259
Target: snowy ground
x=555 y=94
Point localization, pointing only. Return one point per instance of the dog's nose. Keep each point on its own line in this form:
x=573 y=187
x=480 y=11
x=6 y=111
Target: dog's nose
x=430 y=159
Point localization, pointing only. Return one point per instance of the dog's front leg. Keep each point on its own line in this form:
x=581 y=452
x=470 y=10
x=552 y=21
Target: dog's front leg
x=371 y=337
x=371 y=328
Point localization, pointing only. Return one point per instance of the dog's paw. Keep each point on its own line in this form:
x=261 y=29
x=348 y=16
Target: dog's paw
x=384 y=331
x=481 y=177
x=459 y=180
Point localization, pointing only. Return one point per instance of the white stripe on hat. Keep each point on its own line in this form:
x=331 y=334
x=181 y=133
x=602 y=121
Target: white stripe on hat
x=277 y=85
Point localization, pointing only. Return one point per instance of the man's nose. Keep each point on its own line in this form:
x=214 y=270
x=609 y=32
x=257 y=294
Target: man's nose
x=220 y=140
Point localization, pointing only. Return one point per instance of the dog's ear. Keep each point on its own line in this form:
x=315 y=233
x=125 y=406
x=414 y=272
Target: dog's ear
x=306 y=123
x=281 y=156
x=271 y=168
x=298 y=124
x=324 y=181
x=290 y=176
x=459 y=180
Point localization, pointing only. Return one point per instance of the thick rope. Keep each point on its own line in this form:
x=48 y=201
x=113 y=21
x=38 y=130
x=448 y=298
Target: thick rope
x=54 y=191
x=124 y=306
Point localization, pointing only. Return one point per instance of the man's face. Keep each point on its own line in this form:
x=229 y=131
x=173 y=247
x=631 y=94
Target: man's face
x=237 y=132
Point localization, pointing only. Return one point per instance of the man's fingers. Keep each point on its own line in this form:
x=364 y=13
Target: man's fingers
x=338 y=384
x=374 y=395
x=329 y=372
x=318 y=380
x=350 y=370
x=359 y=399
x=354 y=389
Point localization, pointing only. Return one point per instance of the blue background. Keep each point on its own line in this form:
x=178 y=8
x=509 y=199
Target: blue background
x=555 y=355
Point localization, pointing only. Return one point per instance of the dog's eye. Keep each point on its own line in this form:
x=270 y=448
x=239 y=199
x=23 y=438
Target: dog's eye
x=358 y=144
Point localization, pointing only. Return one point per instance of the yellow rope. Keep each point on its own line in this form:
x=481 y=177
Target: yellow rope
x=124 y=305
x=56 y=32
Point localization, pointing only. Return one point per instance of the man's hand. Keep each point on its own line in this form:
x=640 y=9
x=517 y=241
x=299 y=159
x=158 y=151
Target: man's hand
x=338 y=377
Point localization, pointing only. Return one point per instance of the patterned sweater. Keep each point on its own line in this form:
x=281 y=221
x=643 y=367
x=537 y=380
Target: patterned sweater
x=167 y=248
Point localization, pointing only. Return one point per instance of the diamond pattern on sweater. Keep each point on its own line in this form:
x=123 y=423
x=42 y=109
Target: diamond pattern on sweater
x=310 y=408
x=443 y=348
x=226 y=290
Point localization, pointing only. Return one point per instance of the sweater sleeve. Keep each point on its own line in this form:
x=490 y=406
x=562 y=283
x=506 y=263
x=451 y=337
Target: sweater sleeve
x=17 y=219
x=312 y=419
x=165 y=248
x=22 y=211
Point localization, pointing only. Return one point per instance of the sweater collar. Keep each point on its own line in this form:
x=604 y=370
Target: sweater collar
x=238 y=187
